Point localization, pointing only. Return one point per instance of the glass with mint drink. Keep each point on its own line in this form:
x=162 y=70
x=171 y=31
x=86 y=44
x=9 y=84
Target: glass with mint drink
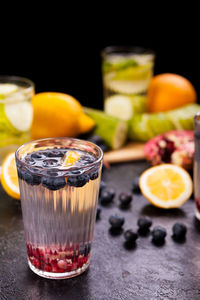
x=16 y=113
x=127 y=72
x=59 y=186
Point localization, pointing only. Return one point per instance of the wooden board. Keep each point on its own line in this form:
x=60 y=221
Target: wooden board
x=132 y=151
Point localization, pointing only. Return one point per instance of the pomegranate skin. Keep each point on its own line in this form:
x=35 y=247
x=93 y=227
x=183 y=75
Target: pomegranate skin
x=176 y=147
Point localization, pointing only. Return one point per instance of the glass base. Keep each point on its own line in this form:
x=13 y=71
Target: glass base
x=63 y=275
x=197 y=214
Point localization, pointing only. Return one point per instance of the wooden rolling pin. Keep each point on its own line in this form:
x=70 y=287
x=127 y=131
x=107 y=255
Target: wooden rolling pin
x=132 y=151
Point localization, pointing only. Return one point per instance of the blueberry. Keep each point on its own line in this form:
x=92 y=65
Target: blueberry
x=94 y=175
x=37 y=155
x=144 y=223
x=29 y=160
x=158 y=235
x=87 y=159
x=103 y=185
x=55 y=153
x=50 y=163
x=116 y=222
x=76 y=172
x=107 y=196
x=36 y=180
x=98 y=213
x=27 y=177
x=104 y=147
x=125 y=198
x=53 y=183
x=20 y=173
x=78 y=181
x=130 y=236
x=135 y=185
x=179 y=231
x=96 y=139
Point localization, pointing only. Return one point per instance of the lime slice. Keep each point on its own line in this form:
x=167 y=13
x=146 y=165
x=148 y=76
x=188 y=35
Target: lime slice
x=126 y=86
x=111 y=129
x=20 y=115
x=123 y=107
x=7 y=89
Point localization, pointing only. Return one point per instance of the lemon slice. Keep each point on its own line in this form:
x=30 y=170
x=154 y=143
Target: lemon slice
x=20 y=115
x=7 y=89
x=70 y=158
x=166 y=186
x=9 y=179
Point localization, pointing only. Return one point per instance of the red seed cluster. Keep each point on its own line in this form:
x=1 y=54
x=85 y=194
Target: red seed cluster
x=56 y=261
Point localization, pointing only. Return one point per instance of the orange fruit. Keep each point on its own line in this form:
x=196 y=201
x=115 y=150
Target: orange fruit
x=58 y=114
x=169 y=91
x=166 y=185
x=9 y=178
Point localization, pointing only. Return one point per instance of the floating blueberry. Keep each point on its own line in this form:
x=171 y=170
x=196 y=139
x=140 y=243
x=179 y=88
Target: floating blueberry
x=130 y=236
x=94 y=175
x=144 y=223
x=78 y=181
x=55 y=153
x=116 y=222
x=125 y=199
x=50 y=163
x=179 y=231
x=29 y=160
x=135 y=185
x=98 y=213
x=107 y=196
x=158 y=235
x=27 y=177
x=53 y=183
x=37 y=155
x=103 y=185
x=76 y=172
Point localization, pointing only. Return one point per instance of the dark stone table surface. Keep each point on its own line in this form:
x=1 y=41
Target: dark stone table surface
x=171 y=271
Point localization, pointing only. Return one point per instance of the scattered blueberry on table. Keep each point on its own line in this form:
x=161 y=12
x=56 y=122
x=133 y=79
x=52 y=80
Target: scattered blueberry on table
x=98 y=212
x=116 y=221
x=107 y=196
x=125 y=199
x=179 y=231
x=130 y=236
x=158 y=235
x=144 y=224
x=135 y=186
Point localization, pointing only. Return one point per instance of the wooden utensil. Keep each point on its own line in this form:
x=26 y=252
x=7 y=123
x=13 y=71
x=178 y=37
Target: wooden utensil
x=132 y=151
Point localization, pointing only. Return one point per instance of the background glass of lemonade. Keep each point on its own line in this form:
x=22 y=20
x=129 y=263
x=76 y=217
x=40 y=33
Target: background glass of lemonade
x=16 y=112
x=127 y=72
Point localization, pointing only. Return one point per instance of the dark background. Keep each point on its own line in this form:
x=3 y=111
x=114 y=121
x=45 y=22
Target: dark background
x=63 y=54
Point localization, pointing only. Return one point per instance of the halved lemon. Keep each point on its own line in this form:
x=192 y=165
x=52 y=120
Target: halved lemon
x=9 y=179
x=166 y=186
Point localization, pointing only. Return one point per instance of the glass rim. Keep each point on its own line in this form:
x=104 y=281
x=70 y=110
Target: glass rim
x=89 y=165
x=121 y=49
x=17 y=79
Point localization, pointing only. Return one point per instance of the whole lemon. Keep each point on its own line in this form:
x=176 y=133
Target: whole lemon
x=58 y=114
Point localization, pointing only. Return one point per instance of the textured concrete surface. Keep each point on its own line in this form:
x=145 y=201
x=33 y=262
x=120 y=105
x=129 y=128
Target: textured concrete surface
x=171 y=271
